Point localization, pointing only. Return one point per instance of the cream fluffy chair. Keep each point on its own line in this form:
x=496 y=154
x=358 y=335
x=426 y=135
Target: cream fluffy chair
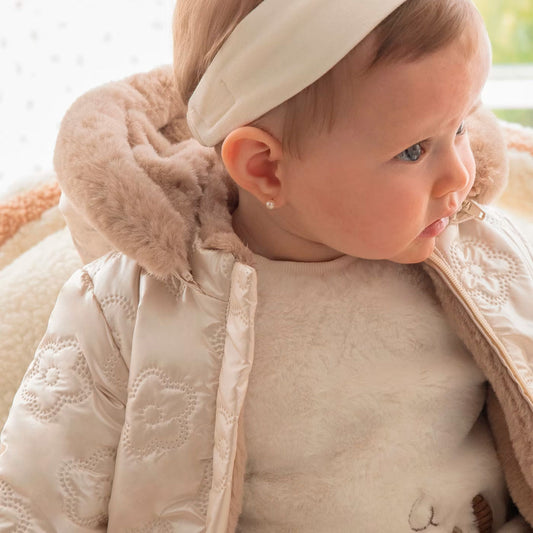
x=37 y=256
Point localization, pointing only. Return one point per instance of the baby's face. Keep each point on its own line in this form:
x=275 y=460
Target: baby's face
x=397 y=165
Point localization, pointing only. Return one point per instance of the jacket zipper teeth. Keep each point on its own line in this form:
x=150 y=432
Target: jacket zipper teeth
x=439 y=264
x=473 y=209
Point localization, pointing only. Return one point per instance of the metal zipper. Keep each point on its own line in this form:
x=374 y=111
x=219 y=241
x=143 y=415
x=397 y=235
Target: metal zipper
x=469 y=210
x=473 y=209
x=440 y=265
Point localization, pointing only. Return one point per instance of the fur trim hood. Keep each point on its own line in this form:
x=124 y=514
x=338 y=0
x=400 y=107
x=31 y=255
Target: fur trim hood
x=130 y=172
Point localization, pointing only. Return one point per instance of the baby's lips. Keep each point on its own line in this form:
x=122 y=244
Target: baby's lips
x=435 y=229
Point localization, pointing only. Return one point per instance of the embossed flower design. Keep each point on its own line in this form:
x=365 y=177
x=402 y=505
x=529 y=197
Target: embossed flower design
x=58 y=376
x=215 y=335
x=159 y=413
x=86 y=488
x=15 y=512
x=485 y=273
x=154 y=526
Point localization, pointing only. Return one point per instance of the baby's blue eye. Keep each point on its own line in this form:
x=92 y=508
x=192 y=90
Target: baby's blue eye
x=412 y=154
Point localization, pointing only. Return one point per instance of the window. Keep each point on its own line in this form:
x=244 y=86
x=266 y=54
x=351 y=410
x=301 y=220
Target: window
x=510 y=88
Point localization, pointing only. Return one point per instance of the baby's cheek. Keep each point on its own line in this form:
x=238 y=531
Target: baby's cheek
x=469 y=162
x=472 y=172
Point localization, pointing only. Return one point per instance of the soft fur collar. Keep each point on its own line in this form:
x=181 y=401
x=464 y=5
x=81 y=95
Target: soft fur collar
x=125 y=160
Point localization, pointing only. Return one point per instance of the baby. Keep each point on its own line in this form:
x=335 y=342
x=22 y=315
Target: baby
x=336 y=339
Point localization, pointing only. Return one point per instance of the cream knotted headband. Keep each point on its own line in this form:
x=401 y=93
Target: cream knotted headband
x=277 y=50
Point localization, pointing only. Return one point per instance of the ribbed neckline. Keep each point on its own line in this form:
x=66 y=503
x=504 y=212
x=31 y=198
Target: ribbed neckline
x=262 y=264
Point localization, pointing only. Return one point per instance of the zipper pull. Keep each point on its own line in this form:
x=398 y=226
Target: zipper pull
x=469 y=210
x=473 y=209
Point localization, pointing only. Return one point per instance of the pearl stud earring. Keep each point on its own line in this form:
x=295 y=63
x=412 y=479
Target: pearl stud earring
x=270 y=205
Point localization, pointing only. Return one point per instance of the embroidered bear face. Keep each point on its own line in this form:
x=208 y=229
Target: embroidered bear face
x=424 y=516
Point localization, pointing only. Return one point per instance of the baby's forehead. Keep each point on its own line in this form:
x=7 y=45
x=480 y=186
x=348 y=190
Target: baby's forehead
x=309 y=64
x=400 y=103
x=367 y=70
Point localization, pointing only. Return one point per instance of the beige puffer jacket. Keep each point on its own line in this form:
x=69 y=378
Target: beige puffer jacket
x=129 y=418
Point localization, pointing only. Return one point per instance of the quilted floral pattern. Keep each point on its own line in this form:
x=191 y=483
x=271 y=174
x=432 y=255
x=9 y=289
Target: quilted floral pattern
x=154 y=526
x=114 y=367
x=473 y=261
x=117 y=300
x=117 y=309
x=86 y=487
x=216 y=339
x=225 y=421
x=238 y=310
x=15 y=514
x=203 y=493
x=161 y=410
x=58 y=376
x=240 y=319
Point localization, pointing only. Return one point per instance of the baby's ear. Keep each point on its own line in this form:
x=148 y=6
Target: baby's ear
x=251 y=157
x=490 y=152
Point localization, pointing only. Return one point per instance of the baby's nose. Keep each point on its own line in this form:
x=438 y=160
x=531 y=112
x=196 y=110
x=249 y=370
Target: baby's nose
x=454 y=176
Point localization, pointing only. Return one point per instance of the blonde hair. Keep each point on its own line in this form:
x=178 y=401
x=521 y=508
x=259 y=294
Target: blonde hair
x=413 y=30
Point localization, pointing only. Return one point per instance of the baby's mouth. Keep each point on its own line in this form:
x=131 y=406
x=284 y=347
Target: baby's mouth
x=435 y=229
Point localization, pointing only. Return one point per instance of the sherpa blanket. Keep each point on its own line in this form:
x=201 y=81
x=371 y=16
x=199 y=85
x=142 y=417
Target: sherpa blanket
x=37 y=256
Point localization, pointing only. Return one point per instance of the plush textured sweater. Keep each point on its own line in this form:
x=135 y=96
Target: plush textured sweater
x=364 y=410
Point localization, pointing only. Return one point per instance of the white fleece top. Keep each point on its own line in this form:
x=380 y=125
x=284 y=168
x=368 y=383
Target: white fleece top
x=364 y=410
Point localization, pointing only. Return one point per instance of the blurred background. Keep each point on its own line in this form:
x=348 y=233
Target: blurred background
x=51 y=52
x=510 y=89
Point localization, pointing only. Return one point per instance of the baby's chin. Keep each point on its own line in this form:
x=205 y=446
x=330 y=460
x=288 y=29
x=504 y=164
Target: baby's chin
x=417 y=252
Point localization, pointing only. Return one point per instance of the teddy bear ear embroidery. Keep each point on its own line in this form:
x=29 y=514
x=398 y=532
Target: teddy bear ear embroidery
x=483 y=514
x=422 y=515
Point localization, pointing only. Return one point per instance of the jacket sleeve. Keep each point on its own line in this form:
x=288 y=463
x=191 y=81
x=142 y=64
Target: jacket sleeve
x=59 y=443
